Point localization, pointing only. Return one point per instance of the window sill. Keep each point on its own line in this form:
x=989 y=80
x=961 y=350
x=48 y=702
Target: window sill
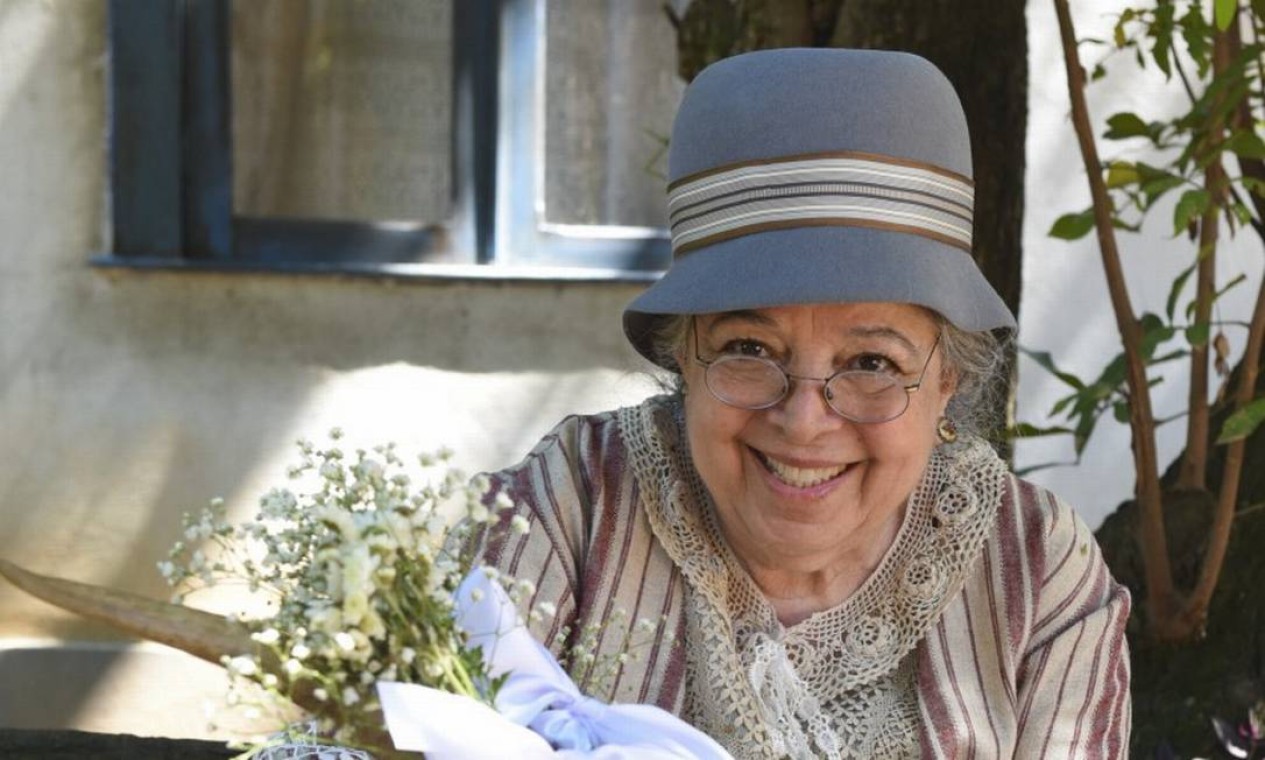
x=386 y=271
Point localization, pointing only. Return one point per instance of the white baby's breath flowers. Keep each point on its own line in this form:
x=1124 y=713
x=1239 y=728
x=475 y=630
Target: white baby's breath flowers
x=345 y=641
x=167 y=569
x=478 y=512
x=243 y=666
x=358 y=561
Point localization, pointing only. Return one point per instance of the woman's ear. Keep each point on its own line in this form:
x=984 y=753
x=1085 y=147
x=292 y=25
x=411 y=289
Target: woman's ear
x=948 y=385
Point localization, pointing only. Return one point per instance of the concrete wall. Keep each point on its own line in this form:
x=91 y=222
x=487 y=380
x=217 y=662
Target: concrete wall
x=128 y=398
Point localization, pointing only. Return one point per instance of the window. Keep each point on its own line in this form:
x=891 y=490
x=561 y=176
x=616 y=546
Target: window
x=467 y=137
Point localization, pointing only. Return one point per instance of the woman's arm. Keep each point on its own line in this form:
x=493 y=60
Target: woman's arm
x=1073 y=695
x=1030 y=659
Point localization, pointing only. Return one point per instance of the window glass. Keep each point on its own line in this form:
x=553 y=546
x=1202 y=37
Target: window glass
x=611 y=89
x=342 y=109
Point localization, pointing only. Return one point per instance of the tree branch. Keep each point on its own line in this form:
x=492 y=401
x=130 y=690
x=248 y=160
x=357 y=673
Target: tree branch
x=1157 y=570
x=1196 y=611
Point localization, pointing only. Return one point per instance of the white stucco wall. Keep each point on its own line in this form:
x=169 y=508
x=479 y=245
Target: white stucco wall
x=127 y=398
x=1065 y=308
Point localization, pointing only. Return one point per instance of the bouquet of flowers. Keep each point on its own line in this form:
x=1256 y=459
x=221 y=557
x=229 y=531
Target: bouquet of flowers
x=358 y=564
x=378 y=616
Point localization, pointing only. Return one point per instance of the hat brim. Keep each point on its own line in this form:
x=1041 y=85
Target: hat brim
x=819 y=265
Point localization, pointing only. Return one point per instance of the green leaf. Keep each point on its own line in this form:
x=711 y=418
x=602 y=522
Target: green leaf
x=1253 y=185
x=1061 y=405
x=1241 y=213
x=1190 y=206
x=1120 y=410
x=1245 y=144
x=1242 y=423
x=1073 y=226
x=1162 y=31
x=1170 y=356
x=1111 y=378
x=1046 y=361
x=1155 y=188
x=1024 y=472
x=1121 y=174
x=1124 y=125
x=1198 y=36
x=1197 y=335
x=1231 y=284
x=1153 y=338
x=1179 y=284
x=1225 y=13
x=1028 y=430
x=1084 y=429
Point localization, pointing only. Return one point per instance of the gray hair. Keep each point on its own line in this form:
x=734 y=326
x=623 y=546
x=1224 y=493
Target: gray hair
x=979 y=360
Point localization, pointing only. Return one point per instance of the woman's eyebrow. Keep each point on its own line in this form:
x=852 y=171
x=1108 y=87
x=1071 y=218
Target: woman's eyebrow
x=743 y=315
x=883 y=331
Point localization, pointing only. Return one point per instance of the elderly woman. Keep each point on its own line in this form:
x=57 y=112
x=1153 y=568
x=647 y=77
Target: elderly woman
x=837 y=565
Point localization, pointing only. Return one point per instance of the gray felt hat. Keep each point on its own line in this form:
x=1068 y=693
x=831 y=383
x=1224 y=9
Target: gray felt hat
x=814 y=176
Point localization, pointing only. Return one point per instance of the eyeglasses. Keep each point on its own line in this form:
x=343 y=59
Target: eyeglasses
x=753 y=382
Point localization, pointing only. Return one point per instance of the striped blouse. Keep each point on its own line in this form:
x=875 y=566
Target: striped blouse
x=1019 y=651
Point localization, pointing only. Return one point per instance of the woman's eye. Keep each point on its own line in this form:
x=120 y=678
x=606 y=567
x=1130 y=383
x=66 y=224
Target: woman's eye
x=875 y=363
x=745 y=347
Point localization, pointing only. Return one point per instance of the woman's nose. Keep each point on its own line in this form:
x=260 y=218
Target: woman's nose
x=804 y=413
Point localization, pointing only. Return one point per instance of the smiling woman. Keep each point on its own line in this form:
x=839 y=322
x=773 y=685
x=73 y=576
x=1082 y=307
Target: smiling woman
x=809 y=500
x=840 y=564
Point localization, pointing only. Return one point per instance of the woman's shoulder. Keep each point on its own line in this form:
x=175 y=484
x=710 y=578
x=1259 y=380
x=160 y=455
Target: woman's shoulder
x=601 y=433
x=1043 y=518
x=1048 y=543
x=584 y=455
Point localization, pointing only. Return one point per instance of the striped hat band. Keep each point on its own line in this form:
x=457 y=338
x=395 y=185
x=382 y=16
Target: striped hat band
x=835 y=189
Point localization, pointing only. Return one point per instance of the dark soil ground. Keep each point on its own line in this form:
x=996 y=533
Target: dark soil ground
x=18 y=744
x=1178 y=689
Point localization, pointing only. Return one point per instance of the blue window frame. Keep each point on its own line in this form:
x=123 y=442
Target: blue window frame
x=172 y=175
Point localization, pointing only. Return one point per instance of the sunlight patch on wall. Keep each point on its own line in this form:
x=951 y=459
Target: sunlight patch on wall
x=25 y=29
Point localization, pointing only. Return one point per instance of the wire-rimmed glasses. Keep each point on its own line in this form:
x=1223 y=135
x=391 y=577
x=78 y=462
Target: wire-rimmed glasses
x=754 y=382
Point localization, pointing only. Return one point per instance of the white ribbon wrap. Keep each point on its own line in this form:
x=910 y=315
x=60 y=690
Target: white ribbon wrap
x=540 y=713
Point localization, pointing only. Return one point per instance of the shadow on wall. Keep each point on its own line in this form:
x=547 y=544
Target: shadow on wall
x=61 y=678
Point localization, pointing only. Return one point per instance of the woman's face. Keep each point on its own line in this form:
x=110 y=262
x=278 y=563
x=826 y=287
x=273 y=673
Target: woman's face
x=797 y=479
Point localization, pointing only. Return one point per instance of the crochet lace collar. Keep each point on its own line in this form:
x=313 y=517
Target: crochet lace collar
x=834 y=652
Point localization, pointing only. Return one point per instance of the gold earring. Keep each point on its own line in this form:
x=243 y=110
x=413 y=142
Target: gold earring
x=946 y=431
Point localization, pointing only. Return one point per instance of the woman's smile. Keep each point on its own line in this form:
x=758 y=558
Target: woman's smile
x=811 y=480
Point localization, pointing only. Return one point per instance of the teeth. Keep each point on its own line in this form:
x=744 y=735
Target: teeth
x=802 y=477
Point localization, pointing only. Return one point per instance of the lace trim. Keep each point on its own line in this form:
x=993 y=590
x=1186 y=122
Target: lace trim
x=840 y=684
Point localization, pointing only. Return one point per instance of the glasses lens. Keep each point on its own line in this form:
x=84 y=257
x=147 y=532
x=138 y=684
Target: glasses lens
x=746 y=382
x=866 y=396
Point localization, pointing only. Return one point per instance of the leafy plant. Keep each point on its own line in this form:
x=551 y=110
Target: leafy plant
x=1213 y=52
